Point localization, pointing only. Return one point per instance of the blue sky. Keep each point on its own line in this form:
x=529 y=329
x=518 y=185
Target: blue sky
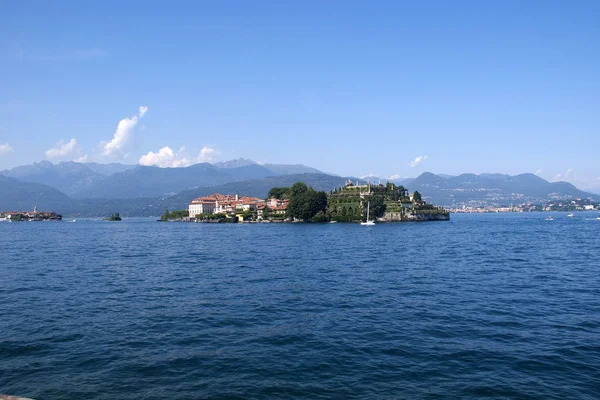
x=352 y=87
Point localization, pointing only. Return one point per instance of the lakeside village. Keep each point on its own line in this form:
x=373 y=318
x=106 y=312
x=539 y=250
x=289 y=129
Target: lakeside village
x=300 y=203
x=34 y=215
x=577 y=204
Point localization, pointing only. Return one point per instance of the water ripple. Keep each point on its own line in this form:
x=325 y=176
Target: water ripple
x=484 y=306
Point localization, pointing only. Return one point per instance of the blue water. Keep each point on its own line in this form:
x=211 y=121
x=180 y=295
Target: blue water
x=503 y=305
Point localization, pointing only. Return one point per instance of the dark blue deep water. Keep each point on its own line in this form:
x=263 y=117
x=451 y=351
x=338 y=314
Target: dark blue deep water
x=504 y=306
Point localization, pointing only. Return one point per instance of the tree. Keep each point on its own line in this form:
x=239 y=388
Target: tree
x=305 y=202
x=278 y=192
x=298 y=188
x=165 y=216
x=376 y=207
x=176 y=214
x=266 y=212
x=417 y=197
x=320 y=217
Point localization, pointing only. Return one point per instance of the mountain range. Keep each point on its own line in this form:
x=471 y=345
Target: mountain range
x=497 y=189
x=118 y=181
x=97 y=189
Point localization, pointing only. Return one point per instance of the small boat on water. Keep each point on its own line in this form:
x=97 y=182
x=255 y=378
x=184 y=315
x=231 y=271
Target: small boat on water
x=571 y=215
x=333 y=222
x=550 y=218
x=368 y=223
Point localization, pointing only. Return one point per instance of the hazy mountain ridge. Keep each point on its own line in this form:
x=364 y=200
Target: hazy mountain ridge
x=282 y=169
x=108 y=169
x=116 y=181
x=492 y=188
x=17 y=195
x=154 y=181
x=68 y=177
x=24 y=196
x=144 y=190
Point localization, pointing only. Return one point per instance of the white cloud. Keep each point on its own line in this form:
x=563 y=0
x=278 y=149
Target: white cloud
x=82 y=159
x=167 y=158
x=417 y=161
x=5 y=149
x=122 y=140
x=394 y=177
x=62 y=149
x=206 y=154
x=563 y=177
x=368 y=176
x=539 y=171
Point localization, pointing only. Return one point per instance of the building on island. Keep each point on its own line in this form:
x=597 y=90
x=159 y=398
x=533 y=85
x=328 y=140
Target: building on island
x=198 y=206
x=223 y=204
x=278 y=206
x=34 y=215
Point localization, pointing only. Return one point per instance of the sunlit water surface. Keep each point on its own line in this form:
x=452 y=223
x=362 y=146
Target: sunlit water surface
x=504 y=305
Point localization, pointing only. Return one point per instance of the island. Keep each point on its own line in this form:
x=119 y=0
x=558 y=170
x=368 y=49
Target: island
x=388 y=203
x=34 y=215
x=301 y=203
x=114 y=217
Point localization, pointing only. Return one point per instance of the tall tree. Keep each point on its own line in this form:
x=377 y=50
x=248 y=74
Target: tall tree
x=417 y=197
x=305 y=202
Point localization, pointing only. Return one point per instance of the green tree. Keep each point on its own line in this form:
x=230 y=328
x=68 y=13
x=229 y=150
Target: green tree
x=114 y=217
x=279 y=192
x=320 y=217
x=417 y=197
x=376 y=207
x=305 y=202
x=298 y=188
x=175 y=214
x=266 y=212
x=165 y=216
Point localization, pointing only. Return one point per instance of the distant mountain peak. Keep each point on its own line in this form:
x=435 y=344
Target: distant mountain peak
x=236 y=163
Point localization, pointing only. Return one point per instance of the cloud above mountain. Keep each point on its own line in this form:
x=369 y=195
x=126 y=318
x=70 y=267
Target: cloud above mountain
x=82 y=159
x=62 y=149
x=417 y=161
x=122 y=141
x=5 y=149
x=567 y=175
x=167 y=157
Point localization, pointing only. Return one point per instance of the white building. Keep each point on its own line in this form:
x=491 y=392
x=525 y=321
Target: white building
x=201 y=207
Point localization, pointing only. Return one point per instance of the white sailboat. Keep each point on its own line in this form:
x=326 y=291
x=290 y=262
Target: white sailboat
x=368 y=223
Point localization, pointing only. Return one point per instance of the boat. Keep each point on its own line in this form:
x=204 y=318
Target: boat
x=550 y=218
x=333 y=222
x=368 y=223
x=598 y=217
x=571 y=215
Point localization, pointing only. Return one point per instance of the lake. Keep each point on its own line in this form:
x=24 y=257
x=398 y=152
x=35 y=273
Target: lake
x=495 y=305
